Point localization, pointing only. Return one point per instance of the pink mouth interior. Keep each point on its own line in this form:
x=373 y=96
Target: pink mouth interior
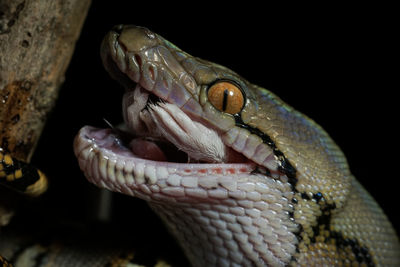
x=138 y=147
x=147 y=149
x=107 y=140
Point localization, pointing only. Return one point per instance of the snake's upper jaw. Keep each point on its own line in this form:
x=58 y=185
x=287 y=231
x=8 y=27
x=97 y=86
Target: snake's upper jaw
x=159 y=98
x=136 y=55
x=122 y=52
x=160 y=94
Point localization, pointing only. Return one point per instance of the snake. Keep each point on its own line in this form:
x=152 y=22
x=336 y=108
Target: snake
x=21 y=177
x=239 y=177
x=4 y=262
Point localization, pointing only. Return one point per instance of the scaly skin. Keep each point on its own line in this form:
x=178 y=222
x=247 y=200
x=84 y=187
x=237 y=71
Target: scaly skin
x=4 y=262
x=21 y=177
x=269 y=186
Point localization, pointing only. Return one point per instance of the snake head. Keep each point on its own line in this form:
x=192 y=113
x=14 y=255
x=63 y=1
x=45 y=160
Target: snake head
x=241 y=122
x=209 y=150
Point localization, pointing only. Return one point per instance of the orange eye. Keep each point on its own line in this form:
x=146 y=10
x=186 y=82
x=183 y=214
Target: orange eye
x=226 y=97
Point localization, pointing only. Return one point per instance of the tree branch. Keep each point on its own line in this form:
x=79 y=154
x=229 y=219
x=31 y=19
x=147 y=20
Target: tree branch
x=37 y=39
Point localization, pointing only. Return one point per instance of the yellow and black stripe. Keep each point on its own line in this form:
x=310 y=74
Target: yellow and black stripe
x=21 y=176
x=4 y=262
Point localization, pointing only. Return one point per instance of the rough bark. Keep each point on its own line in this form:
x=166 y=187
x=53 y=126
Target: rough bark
x=37 y=39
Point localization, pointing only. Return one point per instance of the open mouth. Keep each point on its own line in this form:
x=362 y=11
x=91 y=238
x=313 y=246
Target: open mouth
x=153 y=169
x=160 y=137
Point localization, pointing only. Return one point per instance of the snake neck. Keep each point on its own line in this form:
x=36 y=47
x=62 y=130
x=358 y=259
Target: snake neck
x=252 y=228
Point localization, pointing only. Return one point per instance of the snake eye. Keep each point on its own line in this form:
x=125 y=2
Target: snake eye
x=226 y=97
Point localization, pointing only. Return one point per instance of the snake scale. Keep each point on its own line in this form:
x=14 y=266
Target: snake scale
x=20 y=176
x=239 y=177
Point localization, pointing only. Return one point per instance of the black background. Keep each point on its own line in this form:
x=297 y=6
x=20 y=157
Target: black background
x=331 y=64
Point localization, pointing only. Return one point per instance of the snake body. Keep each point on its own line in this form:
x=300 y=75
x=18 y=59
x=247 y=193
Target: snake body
x=238 y=176
x=4 y=262
x=21 y=176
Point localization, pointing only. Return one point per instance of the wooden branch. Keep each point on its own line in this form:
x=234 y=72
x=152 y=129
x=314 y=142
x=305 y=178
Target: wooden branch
x=37 y=39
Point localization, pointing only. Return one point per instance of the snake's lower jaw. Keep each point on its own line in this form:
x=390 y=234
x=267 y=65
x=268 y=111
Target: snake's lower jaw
x=109 y=164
